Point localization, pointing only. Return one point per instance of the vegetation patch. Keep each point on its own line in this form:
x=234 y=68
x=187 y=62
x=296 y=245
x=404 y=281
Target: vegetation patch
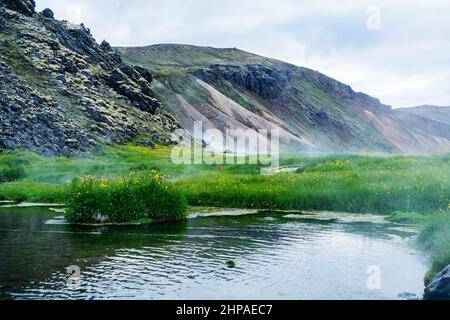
x=359 y=185
x=407 y=218
x=34 y=192
x=11 y=168
x=435 y=238
x=131 y=199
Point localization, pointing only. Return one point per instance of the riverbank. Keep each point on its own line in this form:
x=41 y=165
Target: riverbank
x=363 y=184
x=340 y=183
x=434 y=237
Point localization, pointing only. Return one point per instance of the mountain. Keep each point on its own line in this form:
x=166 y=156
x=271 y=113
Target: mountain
x=230 y=88
x=439 y=114
x=62 y=93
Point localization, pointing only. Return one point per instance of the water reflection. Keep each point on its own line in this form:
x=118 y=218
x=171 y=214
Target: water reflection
x=276 y=258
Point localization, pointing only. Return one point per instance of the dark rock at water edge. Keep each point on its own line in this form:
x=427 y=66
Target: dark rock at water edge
x=439 y=289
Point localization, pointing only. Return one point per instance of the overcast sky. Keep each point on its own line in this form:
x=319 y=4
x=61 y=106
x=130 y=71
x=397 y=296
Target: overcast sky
x=403 y=57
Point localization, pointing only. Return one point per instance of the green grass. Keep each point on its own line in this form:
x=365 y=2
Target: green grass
x=347 y=183
x=110 y=162
x=435 y=238
x=340 y=182
x=189 y=56
x=34 y=192
x=132 y=199
x=11 y=168
x=407 y=217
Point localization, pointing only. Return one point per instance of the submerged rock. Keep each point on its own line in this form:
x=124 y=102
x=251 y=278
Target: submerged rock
x=230 y=264
x=439 y=289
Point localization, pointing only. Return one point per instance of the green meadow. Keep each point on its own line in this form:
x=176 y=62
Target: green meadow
x=407 y=189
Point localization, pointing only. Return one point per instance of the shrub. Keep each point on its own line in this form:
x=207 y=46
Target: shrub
x=123 y=200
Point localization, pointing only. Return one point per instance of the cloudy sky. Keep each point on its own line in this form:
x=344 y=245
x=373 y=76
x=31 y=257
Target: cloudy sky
x=398 y=52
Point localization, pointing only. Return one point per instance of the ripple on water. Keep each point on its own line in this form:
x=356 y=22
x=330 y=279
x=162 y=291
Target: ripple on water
x=275 y=258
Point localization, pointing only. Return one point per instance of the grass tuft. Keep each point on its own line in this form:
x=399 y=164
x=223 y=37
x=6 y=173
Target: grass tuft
x=129 y=199
x=407 y=218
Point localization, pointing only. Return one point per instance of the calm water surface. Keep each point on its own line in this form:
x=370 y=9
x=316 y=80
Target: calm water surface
x=277 y=258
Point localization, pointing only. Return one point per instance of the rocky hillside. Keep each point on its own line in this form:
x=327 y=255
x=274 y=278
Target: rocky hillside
x=62 y=93
x=230 y=88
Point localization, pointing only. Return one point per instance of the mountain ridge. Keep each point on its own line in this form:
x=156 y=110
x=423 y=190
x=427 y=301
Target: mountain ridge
x=311 y=106
x=63 y=93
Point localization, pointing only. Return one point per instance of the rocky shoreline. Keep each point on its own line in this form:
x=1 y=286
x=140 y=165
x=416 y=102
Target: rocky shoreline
x=439 y=288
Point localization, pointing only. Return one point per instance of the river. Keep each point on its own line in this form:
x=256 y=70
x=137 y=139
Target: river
x=275 y=256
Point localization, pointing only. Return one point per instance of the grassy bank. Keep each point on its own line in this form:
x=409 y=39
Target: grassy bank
x=137 y=198
x=435 y=238
x=360 y=184
x=341 y=182
x=351 y=184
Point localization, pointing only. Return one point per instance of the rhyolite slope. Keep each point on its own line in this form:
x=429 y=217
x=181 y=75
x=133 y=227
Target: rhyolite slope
x=230 y=88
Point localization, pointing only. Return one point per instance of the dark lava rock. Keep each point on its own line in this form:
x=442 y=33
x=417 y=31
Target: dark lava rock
x=105 y=46
x=81 y=41
x=439 y=289
x=48 y=13
x=345 y=91
x=2 y=23
x=128 y=82
x=267 y=82
x=148 y=144
x=25 y=7
x=88 y=113
x=144 y=73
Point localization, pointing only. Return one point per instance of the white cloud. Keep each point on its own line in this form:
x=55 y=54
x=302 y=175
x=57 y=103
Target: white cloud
x=404 y=63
